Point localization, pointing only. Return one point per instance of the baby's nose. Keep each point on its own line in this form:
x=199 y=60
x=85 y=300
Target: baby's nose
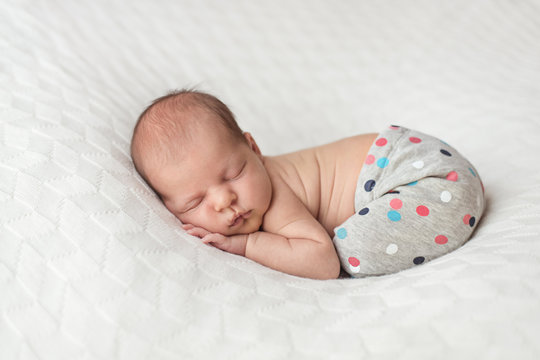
x=223 y=199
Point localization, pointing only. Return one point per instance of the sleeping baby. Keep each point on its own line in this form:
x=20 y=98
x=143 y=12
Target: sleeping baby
x=371 y=204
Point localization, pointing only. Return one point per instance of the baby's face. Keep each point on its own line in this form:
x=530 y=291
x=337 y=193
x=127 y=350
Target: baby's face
x=219 y=184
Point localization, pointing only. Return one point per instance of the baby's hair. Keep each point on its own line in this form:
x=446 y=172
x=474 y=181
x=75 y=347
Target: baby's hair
x=167 y=120
x=188 y=98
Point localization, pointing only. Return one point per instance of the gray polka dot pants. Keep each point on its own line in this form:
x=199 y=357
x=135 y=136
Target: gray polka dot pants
x=416 y=199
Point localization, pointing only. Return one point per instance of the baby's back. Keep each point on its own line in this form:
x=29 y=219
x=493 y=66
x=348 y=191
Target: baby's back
x=324 y=178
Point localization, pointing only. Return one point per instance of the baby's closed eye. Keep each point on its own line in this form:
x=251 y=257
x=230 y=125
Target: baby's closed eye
x=238 y=173
x=191 y=205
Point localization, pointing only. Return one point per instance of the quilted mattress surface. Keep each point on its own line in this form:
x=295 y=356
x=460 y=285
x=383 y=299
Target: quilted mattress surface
x=92 y=266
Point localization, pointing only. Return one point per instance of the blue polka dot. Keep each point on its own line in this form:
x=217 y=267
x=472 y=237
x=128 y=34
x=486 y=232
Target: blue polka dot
x=341 y=233
x=364 y=211
x=418 y=260
x=472 y=172
x=369 y=185
x=394 y=215
x=412 y=183
x=382 y=162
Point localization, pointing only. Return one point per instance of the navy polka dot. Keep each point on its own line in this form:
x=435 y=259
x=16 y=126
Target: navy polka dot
x=369 y=185
x=364 y=211
x=471 y=221
x=418 y=260
x=444 y=152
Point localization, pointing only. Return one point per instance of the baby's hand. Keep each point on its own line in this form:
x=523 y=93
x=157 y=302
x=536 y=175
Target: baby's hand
x=195 y=231
x=232 y=244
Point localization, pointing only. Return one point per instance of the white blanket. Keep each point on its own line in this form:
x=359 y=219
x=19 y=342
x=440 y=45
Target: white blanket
x=92 y=266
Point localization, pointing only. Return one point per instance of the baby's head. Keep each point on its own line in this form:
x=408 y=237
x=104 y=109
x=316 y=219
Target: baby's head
x=188 y=147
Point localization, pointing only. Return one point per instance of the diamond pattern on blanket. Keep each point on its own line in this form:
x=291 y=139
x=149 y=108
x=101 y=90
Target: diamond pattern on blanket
x=93 y=266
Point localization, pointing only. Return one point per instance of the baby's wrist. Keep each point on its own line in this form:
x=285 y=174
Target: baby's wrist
x=239 y=244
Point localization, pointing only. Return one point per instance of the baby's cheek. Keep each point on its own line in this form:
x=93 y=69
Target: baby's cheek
x=253 y=224
x=190 y=219
x=182 y=218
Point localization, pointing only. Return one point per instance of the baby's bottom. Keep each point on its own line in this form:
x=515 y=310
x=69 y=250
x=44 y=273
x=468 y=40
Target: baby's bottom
x=416 y=199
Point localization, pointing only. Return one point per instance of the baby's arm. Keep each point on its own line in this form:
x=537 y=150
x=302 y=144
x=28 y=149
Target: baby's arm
x=293 y=241
x=307 y=256
x=298 y=248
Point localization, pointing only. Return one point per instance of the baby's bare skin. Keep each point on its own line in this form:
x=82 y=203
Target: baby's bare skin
x=279 y=211
x=312 y=192
x=324 y=177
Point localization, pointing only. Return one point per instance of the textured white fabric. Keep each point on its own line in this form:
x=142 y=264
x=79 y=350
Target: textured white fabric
x=92 y=266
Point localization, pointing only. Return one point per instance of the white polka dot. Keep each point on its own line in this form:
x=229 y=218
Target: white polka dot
x=391 y=249
x=418 y=164
x=354 y=269
x=446 y=196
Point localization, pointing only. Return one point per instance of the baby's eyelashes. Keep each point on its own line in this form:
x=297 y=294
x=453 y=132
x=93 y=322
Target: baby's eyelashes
x=239 y=172
x=191 y=206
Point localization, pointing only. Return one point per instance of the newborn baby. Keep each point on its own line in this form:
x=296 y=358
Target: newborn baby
x=373 y=204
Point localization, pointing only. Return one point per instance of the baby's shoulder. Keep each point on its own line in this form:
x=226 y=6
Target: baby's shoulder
x=291 y=200
x=291 y=167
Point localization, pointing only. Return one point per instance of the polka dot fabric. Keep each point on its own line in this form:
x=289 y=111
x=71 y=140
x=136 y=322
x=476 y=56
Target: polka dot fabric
x=416 y=199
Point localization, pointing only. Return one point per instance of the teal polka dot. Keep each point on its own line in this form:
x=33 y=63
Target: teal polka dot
x=382 y=162
x=342 y=233
x=472 y=172
x=394 y=215
x=412 y=183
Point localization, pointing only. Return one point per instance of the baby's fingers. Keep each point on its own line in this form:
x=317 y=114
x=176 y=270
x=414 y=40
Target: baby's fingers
x=208 y=240
x=216 y=240
x=195 y=231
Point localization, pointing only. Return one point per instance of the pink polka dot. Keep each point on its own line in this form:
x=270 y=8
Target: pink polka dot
x=422 y=210
x=393 y=127
x=441 y=239
x=381 y=142
x=452 y=176
x=354 y=261
x=396 y=204
x=415 y=140
x=466 y=219
x=370 y=159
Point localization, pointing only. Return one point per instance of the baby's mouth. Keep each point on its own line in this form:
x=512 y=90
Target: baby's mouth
x=239 y=218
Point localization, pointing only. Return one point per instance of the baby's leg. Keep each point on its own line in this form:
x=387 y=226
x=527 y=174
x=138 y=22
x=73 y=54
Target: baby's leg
x=407 y=227
x=422 y=202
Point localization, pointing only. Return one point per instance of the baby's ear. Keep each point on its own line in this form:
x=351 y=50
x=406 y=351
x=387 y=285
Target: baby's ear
x=252 y=144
